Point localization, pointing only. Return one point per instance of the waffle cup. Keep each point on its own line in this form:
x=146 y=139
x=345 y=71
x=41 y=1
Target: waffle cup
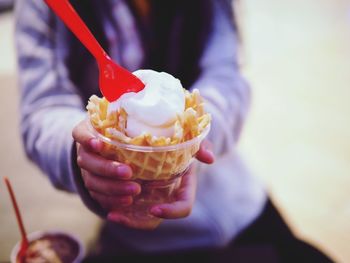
x=158 y=163
x=150 y=162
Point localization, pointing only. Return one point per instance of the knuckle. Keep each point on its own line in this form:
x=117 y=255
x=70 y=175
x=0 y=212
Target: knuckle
x=88 y=183
x=84 y=173
x=111 y=190
x=75 y=132
x=104 y=168
x=80 y=161
x=94 y=195
x=110 y=167
x=78 y=147
x=114 y=189
x=107 y=167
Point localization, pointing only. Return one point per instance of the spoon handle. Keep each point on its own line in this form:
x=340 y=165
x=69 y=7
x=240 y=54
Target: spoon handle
x=64 y=10
x=17 y=212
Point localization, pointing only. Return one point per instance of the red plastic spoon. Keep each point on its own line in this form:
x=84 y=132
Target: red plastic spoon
x=114 y=79
x=24 y=243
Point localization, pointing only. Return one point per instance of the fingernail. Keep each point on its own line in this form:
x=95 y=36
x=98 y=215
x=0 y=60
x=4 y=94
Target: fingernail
x=132 y=189
x=123 y=171
x=95 y=144
x=114 y=218
x=156 y=211
x=125 y=201
x=212 y=156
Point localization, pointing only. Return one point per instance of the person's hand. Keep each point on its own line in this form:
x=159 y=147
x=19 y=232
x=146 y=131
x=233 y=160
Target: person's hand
x=107 y=181
x=185 y=195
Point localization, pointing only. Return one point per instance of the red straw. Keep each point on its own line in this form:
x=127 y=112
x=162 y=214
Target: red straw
x=18 y=214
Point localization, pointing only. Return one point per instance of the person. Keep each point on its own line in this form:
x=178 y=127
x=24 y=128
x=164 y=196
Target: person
x=223 y=213
x=6 y=5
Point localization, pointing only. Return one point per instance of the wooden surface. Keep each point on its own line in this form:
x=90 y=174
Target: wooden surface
x=296 y=55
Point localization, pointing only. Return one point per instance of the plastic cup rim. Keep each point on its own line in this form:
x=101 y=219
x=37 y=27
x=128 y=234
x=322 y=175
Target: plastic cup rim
x=138 y=148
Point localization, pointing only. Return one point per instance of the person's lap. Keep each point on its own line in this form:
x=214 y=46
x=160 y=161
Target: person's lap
x=267 y=239
x=270 y=234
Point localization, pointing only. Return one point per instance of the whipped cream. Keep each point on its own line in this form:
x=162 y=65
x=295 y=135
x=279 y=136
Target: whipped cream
x=155 y=108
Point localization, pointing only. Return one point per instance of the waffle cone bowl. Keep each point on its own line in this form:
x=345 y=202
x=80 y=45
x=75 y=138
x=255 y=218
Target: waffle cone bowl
x=152 y=163
x=158 y=163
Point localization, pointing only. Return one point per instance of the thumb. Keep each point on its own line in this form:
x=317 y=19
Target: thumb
x=82 y=134
x=205 y=154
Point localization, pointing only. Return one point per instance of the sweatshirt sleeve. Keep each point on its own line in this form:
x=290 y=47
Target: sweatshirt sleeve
x=226 y=93
x=50 y=105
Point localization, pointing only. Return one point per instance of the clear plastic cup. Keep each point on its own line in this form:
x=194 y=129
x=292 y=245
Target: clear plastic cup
x=66 y=239
x=158 y=170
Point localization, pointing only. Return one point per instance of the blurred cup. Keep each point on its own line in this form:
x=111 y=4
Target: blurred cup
x=49 y=246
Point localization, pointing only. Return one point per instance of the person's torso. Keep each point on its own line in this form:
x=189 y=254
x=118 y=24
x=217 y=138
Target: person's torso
x=228 y=198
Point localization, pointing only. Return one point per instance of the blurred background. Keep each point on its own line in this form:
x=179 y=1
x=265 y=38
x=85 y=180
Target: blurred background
x=296 y=55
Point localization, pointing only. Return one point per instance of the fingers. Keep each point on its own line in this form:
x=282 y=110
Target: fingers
x=106 y=180
x=101 y=166
x=205 y=154
x=180 y=208
x=174 y=210
x=110 y=194
x=82 y=134
x=185 y=199
x=116 y=217
x=109 y=187
x=111 y=202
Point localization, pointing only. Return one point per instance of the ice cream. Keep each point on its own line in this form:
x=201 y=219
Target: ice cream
x=154 y=109
x=162 y=114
